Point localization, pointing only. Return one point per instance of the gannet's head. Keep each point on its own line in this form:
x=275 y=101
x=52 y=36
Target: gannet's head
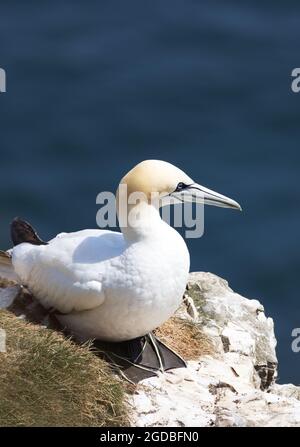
x=154 y=176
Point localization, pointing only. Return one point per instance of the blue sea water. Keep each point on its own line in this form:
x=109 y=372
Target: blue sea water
x=95 y=87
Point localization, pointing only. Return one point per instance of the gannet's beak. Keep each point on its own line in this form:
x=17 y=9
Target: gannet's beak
x=199 y=194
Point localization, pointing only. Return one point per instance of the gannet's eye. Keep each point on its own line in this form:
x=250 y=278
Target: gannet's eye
x=180 y=186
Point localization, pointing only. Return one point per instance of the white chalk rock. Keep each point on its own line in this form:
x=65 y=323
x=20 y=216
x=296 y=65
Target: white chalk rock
x=235 y=386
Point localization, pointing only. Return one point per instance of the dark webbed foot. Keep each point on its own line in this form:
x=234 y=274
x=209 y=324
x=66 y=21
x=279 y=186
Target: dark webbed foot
x=140 y=358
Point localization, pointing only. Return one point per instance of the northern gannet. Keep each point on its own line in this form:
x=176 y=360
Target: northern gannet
x=116 y=286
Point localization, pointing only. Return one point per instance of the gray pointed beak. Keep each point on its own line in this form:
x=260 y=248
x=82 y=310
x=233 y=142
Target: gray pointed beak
x=200 y=194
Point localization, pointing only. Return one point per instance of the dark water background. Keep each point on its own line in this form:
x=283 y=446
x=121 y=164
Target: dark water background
x=95 y=87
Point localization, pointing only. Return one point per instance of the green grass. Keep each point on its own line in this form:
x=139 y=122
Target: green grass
x=47 y=380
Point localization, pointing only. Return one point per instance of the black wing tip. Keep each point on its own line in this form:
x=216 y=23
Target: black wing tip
x=21 y=231
x=17 y=219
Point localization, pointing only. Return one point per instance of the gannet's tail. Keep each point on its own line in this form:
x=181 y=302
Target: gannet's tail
x=140 y=358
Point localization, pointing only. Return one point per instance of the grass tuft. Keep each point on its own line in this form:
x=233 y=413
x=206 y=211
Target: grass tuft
x=185 y=338
x=47 y=380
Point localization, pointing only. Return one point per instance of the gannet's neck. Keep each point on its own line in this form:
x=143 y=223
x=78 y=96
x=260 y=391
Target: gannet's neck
x=140 y=221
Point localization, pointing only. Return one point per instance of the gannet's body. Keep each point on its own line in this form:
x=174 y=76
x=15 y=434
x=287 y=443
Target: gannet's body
x=117 y=286
x=109 y=288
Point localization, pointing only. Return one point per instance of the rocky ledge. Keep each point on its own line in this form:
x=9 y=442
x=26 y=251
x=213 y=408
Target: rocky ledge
x=233 y=386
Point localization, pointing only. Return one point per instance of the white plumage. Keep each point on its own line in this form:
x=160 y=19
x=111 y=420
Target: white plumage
x=110 y=289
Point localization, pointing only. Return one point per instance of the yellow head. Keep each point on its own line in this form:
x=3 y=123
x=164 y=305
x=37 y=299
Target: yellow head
x=152 y=177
